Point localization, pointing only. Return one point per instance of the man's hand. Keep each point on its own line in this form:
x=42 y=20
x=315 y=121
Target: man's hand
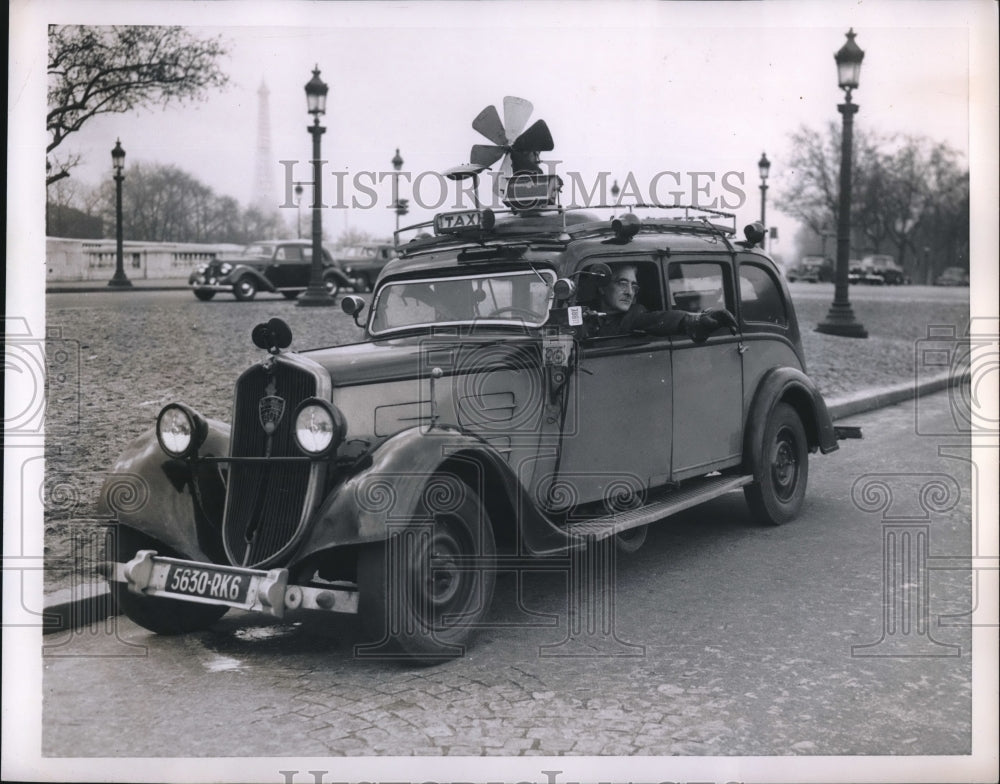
x=704 y=324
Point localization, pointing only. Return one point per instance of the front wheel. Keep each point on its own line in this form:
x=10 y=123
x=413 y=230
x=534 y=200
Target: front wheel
x=245 y=289
x=428 y=588
x=780 y=487
x=156 y=613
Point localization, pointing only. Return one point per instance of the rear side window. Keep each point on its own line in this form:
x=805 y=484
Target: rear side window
x=761 y=296
x=697 y=286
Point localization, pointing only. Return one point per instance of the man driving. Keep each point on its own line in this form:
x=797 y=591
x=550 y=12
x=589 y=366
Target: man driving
x=623 y=314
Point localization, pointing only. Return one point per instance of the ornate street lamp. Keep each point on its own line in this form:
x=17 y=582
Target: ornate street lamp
x=317 y=293
x=840 y=319
x=119 y=280
x=764 y=167
x=397 y=205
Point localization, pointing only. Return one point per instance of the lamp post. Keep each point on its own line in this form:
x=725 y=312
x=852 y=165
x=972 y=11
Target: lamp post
x=119 y=280
x=840 y=319
x=316 y=294
x=764 y=167
x=397 y=165
x=298 y=209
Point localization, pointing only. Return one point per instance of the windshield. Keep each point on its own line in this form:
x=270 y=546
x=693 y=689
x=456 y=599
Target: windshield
x=520 y=298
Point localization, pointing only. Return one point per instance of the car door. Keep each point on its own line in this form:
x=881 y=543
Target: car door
x=707 y=378
x=616 y=433
x=291 y=267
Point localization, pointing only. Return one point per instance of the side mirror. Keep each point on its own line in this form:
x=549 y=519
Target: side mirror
x=352 y=306
x=564 y=289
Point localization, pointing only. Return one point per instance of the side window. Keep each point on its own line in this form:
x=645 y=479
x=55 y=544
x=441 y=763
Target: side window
x=279 y=254
x=761 y=296
x=290 y=253
x=695 y=286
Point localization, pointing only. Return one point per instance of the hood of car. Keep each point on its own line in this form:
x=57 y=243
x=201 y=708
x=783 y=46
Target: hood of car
x=414 y=357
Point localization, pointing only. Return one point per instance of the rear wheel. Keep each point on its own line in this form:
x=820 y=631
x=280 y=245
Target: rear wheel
x=332 y=285
x=160 y=615
x=245 y=289
x=203 y=295
x=777 y=495
x=631 y=540
x=362 y=283
x=422 y=590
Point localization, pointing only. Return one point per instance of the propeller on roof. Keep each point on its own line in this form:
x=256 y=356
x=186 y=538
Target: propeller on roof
x=518 y=148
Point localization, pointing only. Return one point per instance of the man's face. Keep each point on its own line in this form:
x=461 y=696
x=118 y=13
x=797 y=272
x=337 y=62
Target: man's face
x=618 y=294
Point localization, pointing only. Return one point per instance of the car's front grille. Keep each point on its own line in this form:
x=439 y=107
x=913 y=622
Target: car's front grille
x=266 y=500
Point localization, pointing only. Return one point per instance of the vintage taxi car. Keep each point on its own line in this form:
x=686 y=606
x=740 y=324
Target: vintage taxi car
x=478 y=424
x=279 y=266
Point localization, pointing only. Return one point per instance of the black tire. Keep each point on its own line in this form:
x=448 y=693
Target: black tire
x=784 y=471
x=362 y=283
x=290 y=294
x=631 y=540
x=430 y=615
x=332 y=285
x=245 y=289
x=163 y=616
x=204 y=296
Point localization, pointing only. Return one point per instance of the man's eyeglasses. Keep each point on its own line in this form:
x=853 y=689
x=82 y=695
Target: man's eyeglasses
x=624 y=284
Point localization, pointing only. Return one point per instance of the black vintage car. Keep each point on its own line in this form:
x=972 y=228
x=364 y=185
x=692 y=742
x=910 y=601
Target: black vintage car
x=363 y=262
x=485 y=420
x=280 y=266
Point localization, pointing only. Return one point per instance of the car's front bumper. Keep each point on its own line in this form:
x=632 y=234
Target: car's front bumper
x=210 y=283
x=253 y=590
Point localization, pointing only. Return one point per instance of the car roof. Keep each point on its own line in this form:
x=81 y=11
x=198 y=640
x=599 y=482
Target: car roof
x=562 y=237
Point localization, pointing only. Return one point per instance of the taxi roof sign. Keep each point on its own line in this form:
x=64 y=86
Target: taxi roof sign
x=463 y=221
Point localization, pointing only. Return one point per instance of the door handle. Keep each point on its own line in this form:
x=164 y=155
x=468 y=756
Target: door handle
x=742 y=349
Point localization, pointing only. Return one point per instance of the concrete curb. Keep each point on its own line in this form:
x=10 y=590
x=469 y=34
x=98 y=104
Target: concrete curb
x=95 y=287
x=76 y=608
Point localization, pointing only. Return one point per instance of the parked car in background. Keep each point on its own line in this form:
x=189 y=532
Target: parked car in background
x=811 y=269
x=952 y=276
x=279 y=266
x=882 y=269
x=363 y=262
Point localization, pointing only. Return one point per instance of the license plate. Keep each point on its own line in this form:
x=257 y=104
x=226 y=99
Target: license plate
x=208 y=583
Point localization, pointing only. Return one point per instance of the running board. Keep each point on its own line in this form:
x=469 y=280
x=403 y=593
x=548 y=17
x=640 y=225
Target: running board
x=691 y=494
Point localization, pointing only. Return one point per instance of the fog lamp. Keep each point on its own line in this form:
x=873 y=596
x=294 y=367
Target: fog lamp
x=319 y=427
x=180 y=430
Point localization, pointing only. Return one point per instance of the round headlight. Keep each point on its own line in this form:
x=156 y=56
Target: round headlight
x=319 y=427
x=180 y=430
x=225 y=268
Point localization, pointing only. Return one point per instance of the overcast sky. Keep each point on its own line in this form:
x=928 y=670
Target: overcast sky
x=624 y=87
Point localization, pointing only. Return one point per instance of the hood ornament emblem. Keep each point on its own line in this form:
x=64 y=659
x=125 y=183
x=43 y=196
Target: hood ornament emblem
x=271 y=408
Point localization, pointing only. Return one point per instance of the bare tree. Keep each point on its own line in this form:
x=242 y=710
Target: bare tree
x=101 y=70
x=901 y=184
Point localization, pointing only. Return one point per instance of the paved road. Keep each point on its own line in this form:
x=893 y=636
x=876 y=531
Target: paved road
x=728 y=639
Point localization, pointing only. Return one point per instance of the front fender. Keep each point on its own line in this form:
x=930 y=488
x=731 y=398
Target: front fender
x=362 y=508
x=794 y=387
x=242 y=270
x=177 y=502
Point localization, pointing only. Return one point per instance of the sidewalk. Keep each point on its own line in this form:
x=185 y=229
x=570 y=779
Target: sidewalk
x=80 y=286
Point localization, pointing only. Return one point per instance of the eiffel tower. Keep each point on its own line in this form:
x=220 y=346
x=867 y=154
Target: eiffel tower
x=263 y=194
